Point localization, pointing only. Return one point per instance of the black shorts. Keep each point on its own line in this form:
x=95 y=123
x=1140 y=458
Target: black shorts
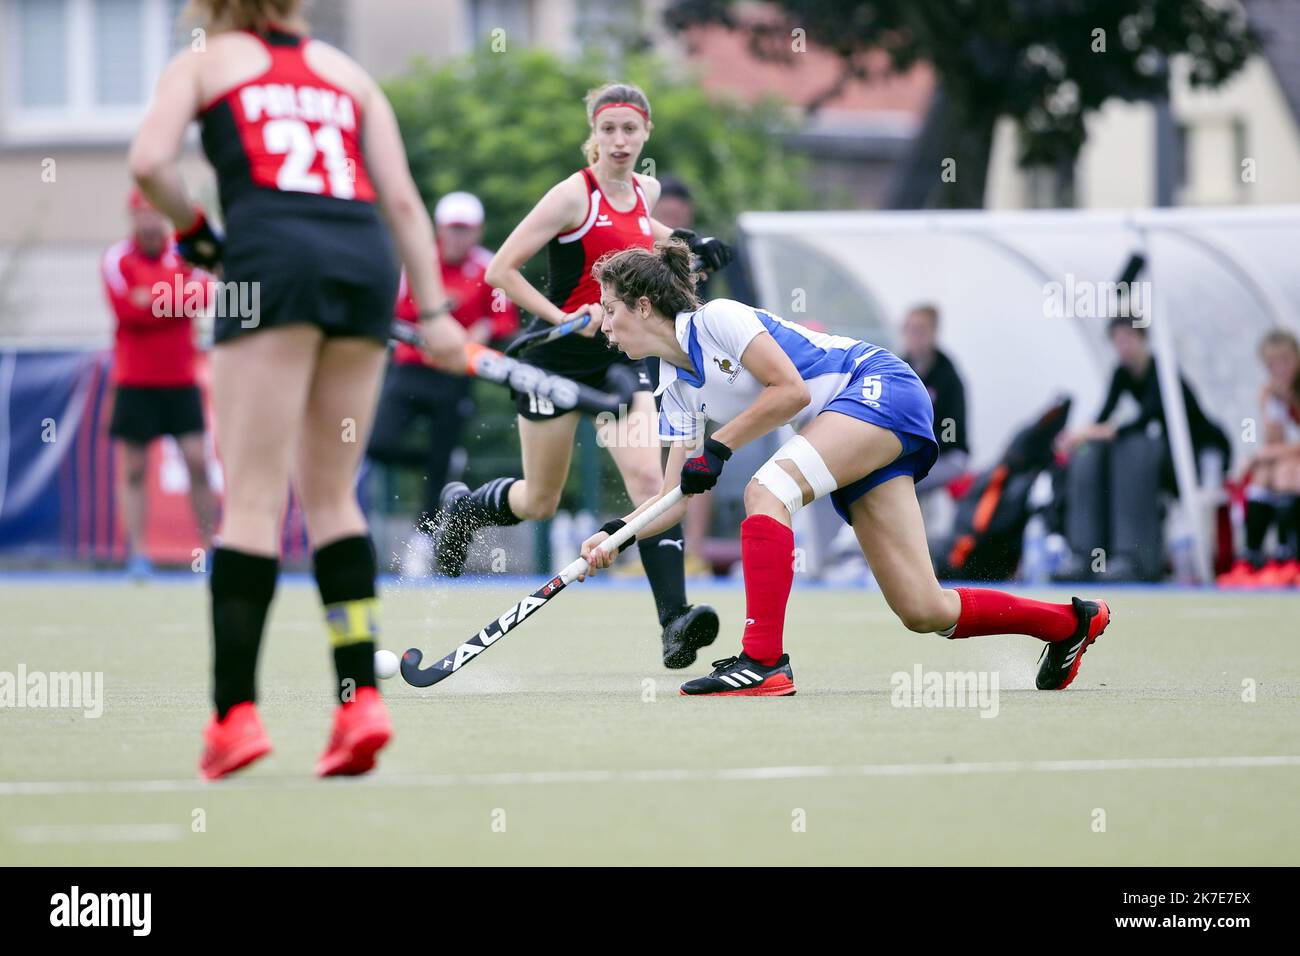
x=141 y=414
x=292 y=259
x=413 y=393
x=537 y=409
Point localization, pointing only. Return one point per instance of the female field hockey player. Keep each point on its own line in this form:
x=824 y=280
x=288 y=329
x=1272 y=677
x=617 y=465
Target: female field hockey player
x=865 y=437
x=307 y=156
x=600 y=209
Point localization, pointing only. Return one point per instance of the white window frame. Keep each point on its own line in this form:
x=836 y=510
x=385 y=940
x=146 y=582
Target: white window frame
x=81 y=119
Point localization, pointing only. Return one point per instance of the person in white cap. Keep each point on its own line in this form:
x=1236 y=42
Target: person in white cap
x=414 y=391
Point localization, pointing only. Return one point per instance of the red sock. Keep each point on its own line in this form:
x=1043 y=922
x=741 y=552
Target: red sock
x=767 y=554
x=984 y=611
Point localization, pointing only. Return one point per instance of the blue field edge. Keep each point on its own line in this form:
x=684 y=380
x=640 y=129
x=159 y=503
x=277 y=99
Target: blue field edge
x=528 y=583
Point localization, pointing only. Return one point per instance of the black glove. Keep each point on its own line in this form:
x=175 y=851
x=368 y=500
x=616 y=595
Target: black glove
x=615 y=525
x=701 y=472
x=713 y=254
x=200 y=245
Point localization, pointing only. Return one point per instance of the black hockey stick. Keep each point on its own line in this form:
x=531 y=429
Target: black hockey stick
x=493 y=366
x=419 y=676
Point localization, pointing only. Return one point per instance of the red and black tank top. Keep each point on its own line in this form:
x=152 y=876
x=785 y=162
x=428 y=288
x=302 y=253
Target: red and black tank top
x=570 y=255
x=289 y=130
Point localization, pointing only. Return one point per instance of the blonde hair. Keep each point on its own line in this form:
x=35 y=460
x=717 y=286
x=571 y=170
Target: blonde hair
x=662 y=274
x=1282 y=337
x=611 y=93
x=255 y=15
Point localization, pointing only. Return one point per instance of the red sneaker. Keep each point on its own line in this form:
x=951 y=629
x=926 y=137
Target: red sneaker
x=1293 y=573
x=1277 y=574
x=361 y=729
x=234 y=742
x=1240 y=575
x=1263 y=576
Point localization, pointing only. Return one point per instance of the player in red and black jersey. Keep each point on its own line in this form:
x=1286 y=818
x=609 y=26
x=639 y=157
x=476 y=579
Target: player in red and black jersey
x=307 y=155
x=154 y=354
x=602 y=208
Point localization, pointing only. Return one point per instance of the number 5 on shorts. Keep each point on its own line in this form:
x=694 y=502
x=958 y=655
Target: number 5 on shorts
x=871 y=388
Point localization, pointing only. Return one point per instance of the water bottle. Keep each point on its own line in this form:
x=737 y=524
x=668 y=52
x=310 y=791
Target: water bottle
x=1033 y=564
x=1182 y=546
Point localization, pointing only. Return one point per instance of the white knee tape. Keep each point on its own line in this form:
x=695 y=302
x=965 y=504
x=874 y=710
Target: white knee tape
x=800 y=452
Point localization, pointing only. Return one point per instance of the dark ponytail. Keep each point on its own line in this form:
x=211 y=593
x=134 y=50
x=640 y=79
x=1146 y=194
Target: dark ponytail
x=662 y=274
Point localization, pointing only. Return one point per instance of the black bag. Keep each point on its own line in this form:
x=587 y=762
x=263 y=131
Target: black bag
x=990 y=525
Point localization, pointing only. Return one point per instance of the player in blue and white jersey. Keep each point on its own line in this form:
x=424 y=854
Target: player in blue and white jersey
x=865 y=437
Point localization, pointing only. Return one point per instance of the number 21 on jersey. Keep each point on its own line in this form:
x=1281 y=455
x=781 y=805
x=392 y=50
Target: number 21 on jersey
x=294 y=140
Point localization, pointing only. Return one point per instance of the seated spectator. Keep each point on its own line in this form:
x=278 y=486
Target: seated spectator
x=941 y=380
x=1117 y=471
x=1273 y=475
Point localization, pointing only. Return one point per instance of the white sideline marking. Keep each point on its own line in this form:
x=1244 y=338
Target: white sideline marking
x=64 y=787
x=106 y=833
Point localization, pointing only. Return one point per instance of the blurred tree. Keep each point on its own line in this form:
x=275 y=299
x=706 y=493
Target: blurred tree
x=1045 y=63
x=509 y=127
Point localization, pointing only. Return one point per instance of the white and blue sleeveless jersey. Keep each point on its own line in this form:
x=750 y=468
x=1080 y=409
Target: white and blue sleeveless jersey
x=719 y=387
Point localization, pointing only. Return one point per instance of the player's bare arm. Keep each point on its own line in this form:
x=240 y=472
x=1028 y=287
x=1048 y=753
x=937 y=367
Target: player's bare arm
x=157 y=144
x=559 y=211
x=408 y=219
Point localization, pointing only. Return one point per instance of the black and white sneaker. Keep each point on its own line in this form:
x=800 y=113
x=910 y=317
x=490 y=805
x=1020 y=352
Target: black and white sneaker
x=744 y=677
x=1059 y=664
x=694 y=627
x=453 y=531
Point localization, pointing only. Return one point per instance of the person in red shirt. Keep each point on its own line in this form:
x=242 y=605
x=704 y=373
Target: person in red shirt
x=413 y=390
x=153 y=369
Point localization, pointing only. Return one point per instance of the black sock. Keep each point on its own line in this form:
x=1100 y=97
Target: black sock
x=1259 y=515
x=664 y=560
x=345 y=575
x=489 y=504
x=242 y=586
x=1288 y=527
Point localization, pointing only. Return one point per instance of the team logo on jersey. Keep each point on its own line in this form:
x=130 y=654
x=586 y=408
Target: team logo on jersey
x=728 y=369
x=644 y=223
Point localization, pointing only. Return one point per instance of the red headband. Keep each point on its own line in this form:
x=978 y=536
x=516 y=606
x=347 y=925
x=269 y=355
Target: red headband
x=632 y=106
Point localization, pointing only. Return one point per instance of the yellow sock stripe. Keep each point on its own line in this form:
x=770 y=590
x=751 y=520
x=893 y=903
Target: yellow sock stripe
x=351 y=622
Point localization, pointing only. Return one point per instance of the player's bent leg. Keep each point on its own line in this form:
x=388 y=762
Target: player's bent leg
x=260 y=386
x=887 y=522
x=633 y=443
x=345 y=390
x=832 y=451
x=547 y=447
